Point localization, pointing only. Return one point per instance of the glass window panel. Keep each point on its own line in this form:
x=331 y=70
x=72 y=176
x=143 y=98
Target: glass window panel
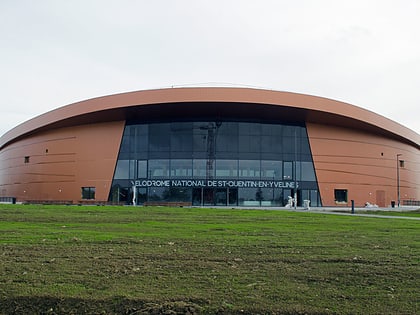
x=183 y=194
x=220 y=197
x=298 y=173
x=266 y=144
x=288 y=170
x=227 y=138
x=200 y=137
x=181 y=142
x=141 y=138
x=200 y=141
x=289 y=145
x=290 y=157
x=125 y=144
x=181 y=136
x=142 y=169
x=159 y=168
x=308 y=173
x=315 y=198
x=249 y=197
x=232 y=196
x=119 y=194
x=249 y=169
x=301 y=131
x=199 y=168
x=181 y=168
x=271 y=170
x=304 y=195
x=137 y=141
x=249 y=143
x=287 y=194
x=340 y=195
x=159 y=155
x=304 y=146
x=141 y=195
x=227 y=155
x=132 y=171
x=226 y=143
x=158 y=194
x=249 y=155
x=277 y=197
x=271 y=156
x=249 y=129
x=226 y=168
x=180 y=155
x=271 y=130
x=88 y=192
x=271 y=144
x=122 y=169
x=289 y=131
x=306 y=157
x=181 y=127
x=227 y=128
x=132 y=141
x=159 y=137
x=270 y=197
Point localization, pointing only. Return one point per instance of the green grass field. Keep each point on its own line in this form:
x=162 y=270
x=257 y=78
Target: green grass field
x=158 y=260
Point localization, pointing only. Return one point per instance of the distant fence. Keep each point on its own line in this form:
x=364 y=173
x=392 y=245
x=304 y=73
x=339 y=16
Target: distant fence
x=12 y=200
x=49 y=202
x=168 y=203
x=411 y=203
x=69 y=202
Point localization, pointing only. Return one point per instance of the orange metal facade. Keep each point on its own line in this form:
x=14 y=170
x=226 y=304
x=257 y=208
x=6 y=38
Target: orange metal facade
x=53 y=156
x=60 y=162
x=365 y=164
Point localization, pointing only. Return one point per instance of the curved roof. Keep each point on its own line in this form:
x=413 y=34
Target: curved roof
x=213 y=102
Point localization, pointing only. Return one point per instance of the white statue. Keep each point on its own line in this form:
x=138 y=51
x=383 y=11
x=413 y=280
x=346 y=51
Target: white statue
x=290 y=201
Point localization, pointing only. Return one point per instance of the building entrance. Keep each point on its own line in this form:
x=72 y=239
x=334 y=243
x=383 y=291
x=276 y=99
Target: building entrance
x=215 y=197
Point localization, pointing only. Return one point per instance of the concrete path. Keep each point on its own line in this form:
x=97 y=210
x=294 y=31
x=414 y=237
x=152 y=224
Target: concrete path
x=365 y=215
x=345 y=211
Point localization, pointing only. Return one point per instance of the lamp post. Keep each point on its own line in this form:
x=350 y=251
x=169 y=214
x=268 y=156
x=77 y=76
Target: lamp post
x=398 y=179
x=295 y=169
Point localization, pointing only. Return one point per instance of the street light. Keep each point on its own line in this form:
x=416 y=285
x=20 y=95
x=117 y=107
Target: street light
x=398 y=179
x=295 y=169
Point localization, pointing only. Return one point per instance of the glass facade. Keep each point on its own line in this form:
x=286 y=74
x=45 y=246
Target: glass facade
x=222 y=163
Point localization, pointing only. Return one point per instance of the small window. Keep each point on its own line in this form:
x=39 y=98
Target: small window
x=401 y=163
x=26 y=160
x=88 y=192
x=340 y=195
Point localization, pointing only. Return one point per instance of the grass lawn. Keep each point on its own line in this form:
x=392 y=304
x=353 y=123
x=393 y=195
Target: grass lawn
x=160 y=260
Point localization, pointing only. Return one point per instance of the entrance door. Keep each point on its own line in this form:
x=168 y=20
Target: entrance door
x=208 y=197
x=197 y=197
x=220 y=197
x=141 y=195
x=215 y=196
x=232 y=196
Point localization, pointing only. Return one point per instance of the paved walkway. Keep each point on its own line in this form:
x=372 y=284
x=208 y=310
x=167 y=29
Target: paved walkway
x=346 y=211
x=360 y=214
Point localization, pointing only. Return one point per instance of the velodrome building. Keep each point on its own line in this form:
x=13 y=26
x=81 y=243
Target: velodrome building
x=211 y=147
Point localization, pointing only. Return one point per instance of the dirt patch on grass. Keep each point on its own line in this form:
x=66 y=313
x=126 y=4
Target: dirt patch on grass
x=50 y=305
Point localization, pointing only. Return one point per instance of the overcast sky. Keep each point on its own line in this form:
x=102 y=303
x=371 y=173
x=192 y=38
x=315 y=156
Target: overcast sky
x=57 y=52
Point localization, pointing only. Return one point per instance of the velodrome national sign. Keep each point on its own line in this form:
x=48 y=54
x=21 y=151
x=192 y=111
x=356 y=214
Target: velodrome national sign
x=214 y=183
